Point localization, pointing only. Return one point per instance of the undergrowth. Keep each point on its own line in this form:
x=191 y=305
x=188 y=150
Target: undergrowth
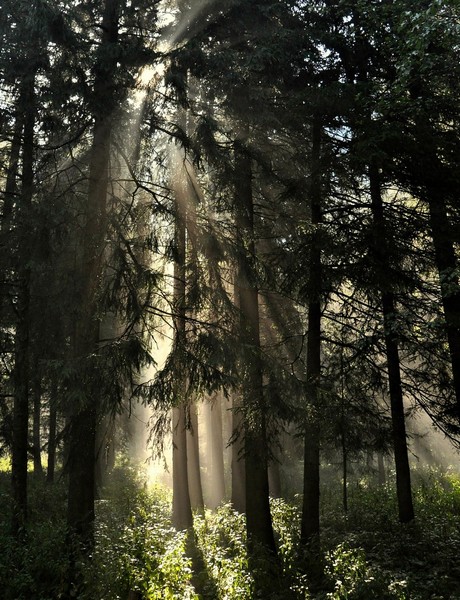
x=366 y=554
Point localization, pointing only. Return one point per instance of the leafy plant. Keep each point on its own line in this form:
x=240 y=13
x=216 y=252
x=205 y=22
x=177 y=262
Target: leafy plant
x=136 y=546
x=221 y=539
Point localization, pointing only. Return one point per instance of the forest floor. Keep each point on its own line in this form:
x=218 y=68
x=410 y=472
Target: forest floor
x=366 y=554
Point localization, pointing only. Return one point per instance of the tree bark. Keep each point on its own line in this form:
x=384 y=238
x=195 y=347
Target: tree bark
x=310 y=525
x=104 y=448
x=381 y=468
x=193 y=461
x=274 y=479
x=10 y=193
x=403 y=481
x=215 y=457
x=51 y=464
x=182 y=510
x=344 y=472
x=446 y=263
x=238 y=461
x=83 y=420
x=258 y=517
x=10 y=196
x=37 y=393
x=22 y=336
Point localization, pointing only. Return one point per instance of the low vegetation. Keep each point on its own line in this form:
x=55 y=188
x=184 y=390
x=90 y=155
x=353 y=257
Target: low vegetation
x=366 y=553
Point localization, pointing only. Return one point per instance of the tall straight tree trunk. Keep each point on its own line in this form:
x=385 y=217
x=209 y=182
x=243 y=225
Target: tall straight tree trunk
x=193 y=461
x=443 y=236
x=381 y=469
x=310 y=525
x=83 y=419
x=36 y=426
x=274 y=479
x=213 y=415
x=403 y=482
x=238 y=494
x=446 y=263
x=22 y=336
x=51 y=463
x=104 y=449
x=184 y=489
x=344 y=470
x=343 y=436
x=10 y=192
x=193 y=448
x=258 y=517
x=182 y=510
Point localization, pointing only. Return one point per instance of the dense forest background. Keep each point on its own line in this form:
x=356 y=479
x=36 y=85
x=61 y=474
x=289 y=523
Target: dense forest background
x=237 y=222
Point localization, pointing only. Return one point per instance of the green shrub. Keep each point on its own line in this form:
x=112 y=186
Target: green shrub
x=353 y=579
x=136 y=546
x=221 y=540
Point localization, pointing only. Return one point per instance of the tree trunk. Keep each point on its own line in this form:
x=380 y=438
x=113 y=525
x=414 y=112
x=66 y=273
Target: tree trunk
x=403 y=483
x=104 y=447
x=37 y=393
x=344 y=472
x=258 y=517
x=238 y=461
x=51 y=466
x=9 y=197
x=10 y=193
x=83 y=420
x=434 y=173
x=213 y=414
x=22 y=337
x=343 y=426
x=310 y=525
x=193 y=461
x=381 y=468
x=274 y=479
x=182 y=510
x=446 y=263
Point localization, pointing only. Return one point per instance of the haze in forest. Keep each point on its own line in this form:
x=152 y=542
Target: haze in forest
x=229 y=299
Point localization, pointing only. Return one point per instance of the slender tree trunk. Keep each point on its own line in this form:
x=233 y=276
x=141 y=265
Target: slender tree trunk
x=444 y=239
x=22 y=337
x=83 y=420
x=446 y=263
x=182 y=510
x=381 y=468
x=274 y=479
x=238 y=461
x=258 y=517
x=36 y=394
x=10 y=193
x=213 y=416
x=193 y=461
x=310 y=525
x=193 y=450
x=344 y=472
x=403 y=482
x=51 y=467
x=343 y=436
x=104 y=447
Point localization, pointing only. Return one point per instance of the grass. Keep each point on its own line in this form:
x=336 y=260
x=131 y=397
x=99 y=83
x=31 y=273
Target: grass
x=366 y=554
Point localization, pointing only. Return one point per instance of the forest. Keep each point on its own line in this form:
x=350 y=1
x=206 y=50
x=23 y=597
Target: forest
x=230 y=299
